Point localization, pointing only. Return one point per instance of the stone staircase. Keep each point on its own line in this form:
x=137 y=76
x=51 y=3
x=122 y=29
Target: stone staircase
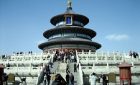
x=54 y=67
x=76 y=74
x=60 y=68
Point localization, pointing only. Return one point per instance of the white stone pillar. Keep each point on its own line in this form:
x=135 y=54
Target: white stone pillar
x=114 y=57
x=96 y=54
x=106 y=57
x=30 y=68
x=77 y=57
x=89 y=52
x=93 y=67
x=107 y=68
x=132 y=64
x=82 y=52
x=102 y=53
x=123 y=57
x=88 y=57
x=17 y=68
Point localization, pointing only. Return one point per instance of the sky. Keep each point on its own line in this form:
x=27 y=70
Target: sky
x=116 y=22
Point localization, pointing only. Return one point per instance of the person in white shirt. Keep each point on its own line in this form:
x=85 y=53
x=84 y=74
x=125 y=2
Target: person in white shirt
x=92 y=79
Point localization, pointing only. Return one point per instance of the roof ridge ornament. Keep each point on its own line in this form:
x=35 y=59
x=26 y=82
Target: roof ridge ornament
x=69 y=4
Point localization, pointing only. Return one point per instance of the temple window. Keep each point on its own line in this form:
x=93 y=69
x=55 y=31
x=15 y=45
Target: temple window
x=68 y=19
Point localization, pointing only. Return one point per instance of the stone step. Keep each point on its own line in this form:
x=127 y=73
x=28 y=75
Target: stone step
x=62 y=69
x=76 y=74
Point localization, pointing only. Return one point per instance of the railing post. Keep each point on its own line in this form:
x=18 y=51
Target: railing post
x=82 y=52
x=107 y=67
x=93 y=67
x=30 y=68
x=17 y=67
x=106 y=57
x=77 y=57
x=124 y=55
x=96 y=57
x=81 y=74
x=114 y=57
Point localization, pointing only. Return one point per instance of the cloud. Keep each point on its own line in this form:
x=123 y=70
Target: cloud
x=117 y=37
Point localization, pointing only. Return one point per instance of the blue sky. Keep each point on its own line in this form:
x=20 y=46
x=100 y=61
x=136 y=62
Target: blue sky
x=22 y=23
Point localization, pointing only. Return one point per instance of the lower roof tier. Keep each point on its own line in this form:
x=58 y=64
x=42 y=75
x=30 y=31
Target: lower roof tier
x=79 y=44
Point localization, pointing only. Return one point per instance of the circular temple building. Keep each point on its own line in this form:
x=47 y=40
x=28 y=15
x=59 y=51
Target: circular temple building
x=69 y=33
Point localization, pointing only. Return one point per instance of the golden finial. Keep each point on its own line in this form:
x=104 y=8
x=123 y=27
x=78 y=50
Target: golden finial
x=69 y=3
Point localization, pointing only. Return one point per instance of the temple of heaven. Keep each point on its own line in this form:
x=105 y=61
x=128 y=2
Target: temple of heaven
x=69 y=33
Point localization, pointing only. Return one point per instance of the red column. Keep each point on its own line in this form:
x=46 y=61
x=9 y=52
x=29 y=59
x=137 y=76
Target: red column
x=125 y=73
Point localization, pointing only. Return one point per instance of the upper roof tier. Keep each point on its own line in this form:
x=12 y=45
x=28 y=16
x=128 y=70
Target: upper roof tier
x=69 y=12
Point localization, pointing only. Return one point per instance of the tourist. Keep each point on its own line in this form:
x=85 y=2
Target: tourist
x=5 y=78
x=75 y=68
x=62 y=55
x=72 y=58
x=54 y=58
x=92 y=79
x=104 y=79
x=67 y=78
x=47 y=71
x=44 y=82
x=67 y=69
x=101 y=79
x=57 y=52
x=59 y=57
x=78 y=66
x=41 y=76
x=58 y=80
x=72 y=79
x=130 y=53
x=24 y=81
x=51 y=64
x=64 y=59
x=134 y=54
x=48 y=79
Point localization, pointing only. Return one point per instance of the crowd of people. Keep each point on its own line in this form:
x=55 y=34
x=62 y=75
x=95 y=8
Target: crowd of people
x=57 y=79
x=69 y=76
x=93 y=78
x=133 y=54
x=19 y=53
x=65 y=56
x=69 y=79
